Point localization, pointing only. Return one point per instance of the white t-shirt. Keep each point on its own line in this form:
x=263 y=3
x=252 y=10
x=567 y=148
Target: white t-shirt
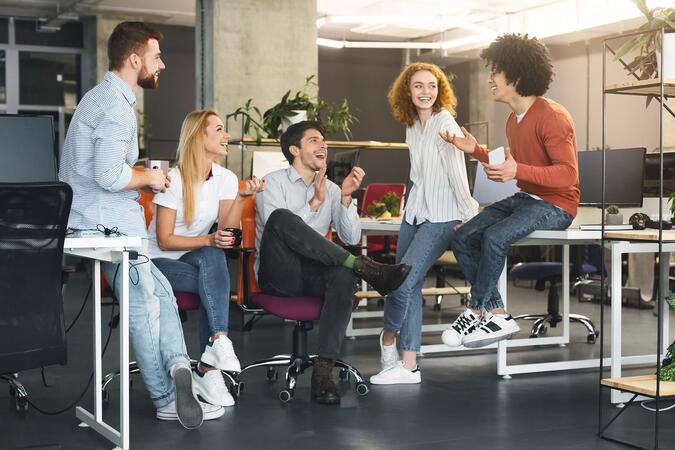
x=222 y=185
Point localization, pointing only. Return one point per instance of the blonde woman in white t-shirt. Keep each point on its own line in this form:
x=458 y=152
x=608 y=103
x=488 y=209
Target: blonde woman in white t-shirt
x=192 y=259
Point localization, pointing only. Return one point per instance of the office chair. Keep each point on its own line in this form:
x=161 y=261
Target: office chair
x=302 y=310
x=551 y=272
x=33 y=222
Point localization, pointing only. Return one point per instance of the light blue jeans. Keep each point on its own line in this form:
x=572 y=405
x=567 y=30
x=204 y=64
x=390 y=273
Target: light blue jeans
x=203 y=272
x=481 y=244
x=419 y=245
x=155 y=330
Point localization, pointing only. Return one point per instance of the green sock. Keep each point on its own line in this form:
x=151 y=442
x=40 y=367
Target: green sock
x=349 y=262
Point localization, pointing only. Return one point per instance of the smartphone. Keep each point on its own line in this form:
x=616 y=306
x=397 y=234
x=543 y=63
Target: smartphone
x=496 y=156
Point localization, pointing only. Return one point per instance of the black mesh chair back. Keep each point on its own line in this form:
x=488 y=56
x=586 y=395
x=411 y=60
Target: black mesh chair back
x=33 y=222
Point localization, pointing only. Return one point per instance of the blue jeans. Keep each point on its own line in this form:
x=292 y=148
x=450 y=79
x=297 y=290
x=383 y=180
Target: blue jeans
x=481 y=244
x=155 y=330
x=419 y=245
x=204 y=272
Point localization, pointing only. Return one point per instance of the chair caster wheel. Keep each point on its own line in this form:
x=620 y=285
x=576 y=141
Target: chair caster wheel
x=21 y=404
x=105 y=396
x=235 y=389
x=272 y=374
x=437 y=307
x=286 y=395
x=343 y=375
x=590 y=338
x=362 y=388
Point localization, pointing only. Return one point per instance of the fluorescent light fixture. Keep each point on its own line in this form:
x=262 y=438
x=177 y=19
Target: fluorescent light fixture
x=475 y=39
x=379 y=44
x=330 y=43
x=438 y=21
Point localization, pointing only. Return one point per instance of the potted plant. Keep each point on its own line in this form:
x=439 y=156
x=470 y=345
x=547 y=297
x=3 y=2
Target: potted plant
x=648 y=44
x=303 y=105
x=613 y=217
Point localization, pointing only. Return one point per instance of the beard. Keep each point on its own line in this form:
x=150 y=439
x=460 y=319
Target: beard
x=147 y=80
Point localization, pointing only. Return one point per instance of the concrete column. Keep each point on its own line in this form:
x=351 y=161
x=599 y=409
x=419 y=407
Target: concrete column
x=259 y=49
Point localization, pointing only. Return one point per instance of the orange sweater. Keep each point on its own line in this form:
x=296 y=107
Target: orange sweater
x=544 y=146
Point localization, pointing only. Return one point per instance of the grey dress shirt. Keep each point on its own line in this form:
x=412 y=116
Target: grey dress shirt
x=285 y=188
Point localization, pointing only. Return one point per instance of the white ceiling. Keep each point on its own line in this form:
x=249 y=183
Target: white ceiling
x=556 y=21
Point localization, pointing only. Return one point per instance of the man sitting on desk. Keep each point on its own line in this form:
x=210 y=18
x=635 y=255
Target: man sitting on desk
x=294 y=213
x=543 y=160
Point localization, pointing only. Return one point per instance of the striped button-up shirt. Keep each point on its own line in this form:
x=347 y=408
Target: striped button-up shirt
x=440 y=189
x=99 y=152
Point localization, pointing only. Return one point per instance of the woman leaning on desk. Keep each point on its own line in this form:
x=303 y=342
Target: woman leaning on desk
x=422 y=99
x=192 y=259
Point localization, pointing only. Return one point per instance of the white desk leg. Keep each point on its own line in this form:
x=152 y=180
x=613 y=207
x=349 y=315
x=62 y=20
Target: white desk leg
x=501 y=346
x=98 y=363
x=124 y=353
x=566 y=293
x=664 y=280
x=615 y=259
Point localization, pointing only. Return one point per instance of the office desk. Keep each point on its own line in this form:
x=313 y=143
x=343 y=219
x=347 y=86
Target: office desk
x=111 y=249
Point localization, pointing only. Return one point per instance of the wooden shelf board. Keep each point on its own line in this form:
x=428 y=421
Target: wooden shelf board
x=641 y=384
x=640 y=235
x=642 y=87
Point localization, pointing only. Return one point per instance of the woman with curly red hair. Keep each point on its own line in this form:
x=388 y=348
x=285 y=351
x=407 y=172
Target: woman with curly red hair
x=422 y=99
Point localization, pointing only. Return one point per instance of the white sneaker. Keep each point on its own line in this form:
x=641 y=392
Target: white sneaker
x=220 y=354
x=212 y=388
x=462 y=326
x=388 y=353
x=493 y=328
x=210 y=412
x=397 y=374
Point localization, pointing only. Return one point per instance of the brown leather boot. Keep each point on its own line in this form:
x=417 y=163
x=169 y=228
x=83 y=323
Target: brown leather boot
x=323 y=386
x=383 y=277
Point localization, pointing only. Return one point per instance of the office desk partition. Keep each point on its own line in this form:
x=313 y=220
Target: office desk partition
x=111 y=249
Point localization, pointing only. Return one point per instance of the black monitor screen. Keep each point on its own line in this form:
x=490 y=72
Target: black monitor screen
x=27 y=149
x=624 y=170
x=652 y=170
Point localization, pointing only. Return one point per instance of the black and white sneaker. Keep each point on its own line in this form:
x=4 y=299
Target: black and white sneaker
x=462 y=326
x=493 y=328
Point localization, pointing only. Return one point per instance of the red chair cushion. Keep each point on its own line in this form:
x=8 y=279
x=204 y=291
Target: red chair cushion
x=292 y=308
x=187 y=301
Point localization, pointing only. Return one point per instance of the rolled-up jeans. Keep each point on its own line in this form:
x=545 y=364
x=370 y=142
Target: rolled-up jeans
x=203 y=272
x=481 y=244
x=418 y=245
x=155 y=330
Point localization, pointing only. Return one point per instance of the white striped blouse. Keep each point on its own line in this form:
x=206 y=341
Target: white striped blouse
x=440 y=188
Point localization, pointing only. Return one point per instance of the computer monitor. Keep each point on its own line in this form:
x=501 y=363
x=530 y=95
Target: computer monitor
x=652 y=171
x=624 y=173
x=27 y=149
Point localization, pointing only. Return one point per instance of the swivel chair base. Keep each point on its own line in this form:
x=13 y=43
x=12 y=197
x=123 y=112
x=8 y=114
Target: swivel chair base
x=299 y=361
x=540 y=320
x=16 y=391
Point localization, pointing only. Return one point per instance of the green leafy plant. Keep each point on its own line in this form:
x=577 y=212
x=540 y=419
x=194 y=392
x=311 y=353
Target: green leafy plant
x=612 y=209
x=337 y=119
x=667 y=372
x=671 y=199
x=389 y=202
x=251 y=120
x=647 y=44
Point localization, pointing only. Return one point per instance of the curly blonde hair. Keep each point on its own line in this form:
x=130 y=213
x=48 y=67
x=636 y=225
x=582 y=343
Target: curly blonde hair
x=399 y=93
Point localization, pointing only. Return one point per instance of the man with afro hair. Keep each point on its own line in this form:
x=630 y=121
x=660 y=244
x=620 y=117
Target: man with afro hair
x=541 y=157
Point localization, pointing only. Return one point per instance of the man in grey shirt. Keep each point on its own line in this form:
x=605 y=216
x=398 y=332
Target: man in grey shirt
x=294 y=213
